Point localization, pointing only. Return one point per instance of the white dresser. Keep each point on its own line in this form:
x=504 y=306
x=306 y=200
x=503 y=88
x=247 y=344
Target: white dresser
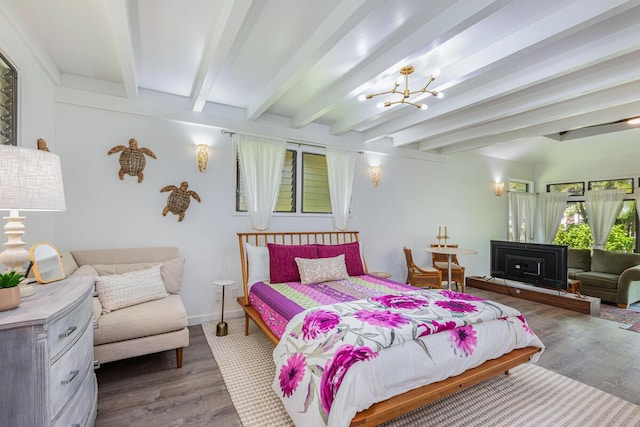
x=46 y=357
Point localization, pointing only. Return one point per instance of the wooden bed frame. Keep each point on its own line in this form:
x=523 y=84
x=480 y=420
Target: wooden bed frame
x=397 y=405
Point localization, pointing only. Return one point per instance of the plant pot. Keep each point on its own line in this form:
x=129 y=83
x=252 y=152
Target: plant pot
x=9 y=298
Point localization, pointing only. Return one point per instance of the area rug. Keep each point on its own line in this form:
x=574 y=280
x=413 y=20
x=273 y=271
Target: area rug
x=628 y=318
x=530 y=396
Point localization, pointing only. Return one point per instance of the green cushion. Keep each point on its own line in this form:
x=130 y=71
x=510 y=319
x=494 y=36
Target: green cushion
x=572 y=272
x=598 y=280
x=613 y=262
x=579 y=259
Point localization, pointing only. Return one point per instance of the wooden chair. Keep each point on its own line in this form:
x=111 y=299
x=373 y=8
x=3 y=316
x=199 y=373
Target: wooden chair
x=440 y=261
x=421 y=276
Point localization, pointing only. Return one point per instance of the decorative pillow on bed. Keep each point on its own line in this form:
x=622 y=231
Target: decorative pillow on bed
x=282 y=261
x=124 y=290
x=322 y=269
x=351 y=252
x=258 y=261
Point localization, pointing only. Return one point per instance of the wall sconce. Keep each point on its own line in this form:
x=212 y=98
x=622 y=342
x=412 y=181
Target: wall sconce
x=499 y=188
x=202 y=155
x=374 y=171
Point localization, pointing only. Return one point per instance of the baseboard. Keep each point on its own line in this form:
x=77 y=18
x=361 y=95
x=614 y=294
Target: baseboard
x=211 y=317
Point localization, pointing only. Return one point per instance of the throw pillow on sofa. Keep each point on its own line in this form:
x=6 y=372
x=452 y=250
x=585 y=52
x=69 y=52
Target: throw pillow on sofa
x=124 y=290
x=171 y=271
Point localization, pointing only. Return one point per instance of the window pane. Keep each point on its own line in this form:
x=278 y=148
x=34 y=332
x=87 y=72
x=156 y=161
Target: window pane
x=8 y=110
x=315 y=184
x=518 y=187
x=574 y=230
x=573 y=188
x=286 y=197
x=613 y=184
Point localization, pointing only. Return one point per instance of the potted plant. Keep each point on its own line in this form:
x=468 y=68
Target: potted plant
x=9 y=290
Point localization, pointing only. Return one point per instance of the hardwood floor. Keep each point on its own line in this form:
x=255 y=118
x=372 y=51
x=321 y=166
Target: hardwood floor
x=150 y=391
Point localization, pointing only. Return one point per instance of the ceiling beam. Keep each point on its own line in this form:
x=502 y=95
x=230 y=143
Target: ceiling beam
x=119 y=18
x=590 y=102
x=329 y=32
x=223 y=33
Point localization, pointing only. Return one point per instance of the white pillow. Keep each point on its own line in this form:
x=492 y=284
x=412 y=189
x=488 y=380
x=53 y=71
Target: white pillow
x=171 y=271
x=124 y=290
x=258 y=262
x=318 y=270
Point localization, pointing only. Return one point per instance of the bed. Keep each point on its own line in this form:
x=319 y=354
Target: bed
x=414 y=331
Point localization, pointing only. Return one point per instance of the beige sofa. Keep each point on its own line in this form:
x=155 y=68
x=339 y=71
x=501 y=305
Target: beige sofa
x=611 y=276
x=144 y=328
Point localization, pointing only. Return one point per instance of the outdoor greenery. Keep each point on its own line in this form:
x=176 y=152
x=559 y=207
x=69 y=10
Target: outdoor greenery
x=578 y=236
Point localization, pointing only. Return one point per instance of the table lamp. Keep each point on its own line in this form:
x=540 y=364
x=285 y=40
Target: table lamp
x=30 y=180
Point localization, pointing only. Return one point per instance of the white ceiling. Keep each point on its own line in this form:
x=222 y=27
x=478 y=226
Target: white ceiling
x=511 y=70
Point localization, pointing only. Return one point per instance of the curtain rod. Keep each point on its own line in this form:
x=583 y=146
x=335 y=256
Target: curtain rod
x=292 y=141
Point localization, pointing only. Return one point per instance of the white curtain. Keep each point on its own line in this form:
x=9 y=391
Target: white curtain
x=552 y=207
x=522 y=210
x=261 y=162
x=603 y=207
x=341 y=166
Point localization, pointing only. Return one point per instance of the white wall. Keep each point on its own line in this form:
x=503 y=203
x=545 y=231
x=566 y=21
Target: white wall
x=412 y=199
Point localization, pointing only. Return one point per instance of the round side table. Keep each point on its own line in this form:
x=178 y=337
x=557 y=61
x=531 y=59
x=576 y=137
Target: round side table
x=221 y=327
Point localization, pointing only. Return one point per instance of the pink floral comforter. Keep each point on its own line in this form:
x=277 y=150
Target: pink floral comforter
x=334 y=361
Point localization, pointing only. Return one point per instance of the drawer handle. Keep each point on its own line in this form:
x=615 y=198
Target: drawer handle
x=75 y=425
x=68 y=332
x=72 y=375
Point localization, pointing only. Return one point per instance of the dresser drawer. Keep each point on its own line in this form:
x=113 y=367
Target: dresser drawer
x=71 y=369
x=80 y=411
x=65 y=331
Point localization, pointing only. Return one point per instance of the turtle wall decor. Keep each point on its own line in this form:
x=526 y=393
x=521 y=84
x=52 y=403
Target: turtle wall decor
x=179 y=199
x=42 y=145
x=132 y=160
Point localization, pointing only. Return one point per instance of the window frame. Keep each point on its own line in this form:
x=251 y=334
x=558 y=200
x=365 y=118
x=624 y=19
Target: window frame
x=12 y=89
x=528 y=183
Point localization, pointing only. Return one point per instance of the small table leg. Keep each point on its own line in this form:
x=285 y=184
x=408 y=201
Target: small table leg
x=449 y=271
x=221 y=327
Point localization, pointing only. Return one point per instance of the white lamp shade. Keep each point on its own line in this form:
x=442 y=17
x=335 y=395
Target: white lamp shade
x=30 y=180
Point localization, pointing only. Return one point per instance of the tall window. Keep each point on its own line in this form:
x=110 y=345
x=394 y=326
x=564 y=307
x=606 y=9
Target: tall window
x=8 y=110
x=574 y=230
x=309 y=184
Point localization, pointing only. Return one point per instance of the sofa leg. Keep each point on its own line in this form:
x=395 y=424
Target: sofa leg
x=623 y=305
x=179 y=357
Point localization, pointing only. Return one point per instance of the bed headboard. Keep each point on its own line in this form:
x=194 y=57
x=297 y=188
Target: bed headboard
x=290 y=238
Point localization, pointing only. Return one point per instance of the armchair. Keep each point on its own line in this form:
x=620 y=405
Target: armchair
x=440 y=262
x=421 y=276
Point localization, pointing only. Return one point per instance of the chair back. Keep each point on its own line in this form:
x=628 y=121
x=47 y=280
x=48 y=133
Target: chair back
x=409 y=258
x=443 y=257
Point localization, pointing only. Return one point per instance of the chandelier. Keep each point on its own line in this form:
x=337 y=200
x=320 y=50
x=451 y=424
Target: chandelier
x=406 y=93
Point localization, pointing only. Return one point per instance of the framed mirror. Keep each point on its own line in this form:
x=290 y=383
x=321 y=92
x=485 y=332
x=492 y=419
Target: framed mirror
x=47 y=265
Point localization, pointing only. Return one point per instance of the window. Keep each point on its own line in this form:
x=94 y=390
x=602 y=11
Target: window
x=287 y=195
x=8 y=110
x=315 y=184
x=313 y=189
x=573 y=188
x=574 y=229
x=520 y=186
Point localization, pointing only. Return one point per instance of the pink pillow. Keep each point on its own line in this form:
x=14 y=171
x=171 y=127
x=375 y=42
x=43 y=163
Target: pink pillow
x=282 y=261
x=351 y=253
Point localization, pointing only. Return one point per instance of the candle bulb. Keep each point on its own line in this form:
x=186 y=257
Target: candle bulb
x=439 y=230
x=445 y=230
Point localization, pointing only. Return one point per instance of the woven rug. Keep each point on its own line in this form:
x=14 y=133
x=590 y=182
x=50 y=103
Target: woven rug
x=530 y=396
x=629 y=318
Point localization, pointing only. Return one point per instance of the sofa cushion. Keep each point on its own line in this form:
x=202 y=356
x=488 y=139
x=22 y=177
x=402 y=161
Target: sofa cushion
x=613 y=262
x=597 y=279
x=124 y=290
x=68 y=263
x=171 y=271
x=282 y=263
x=572 y=272
x=124 y=256
x=352 y=257
x=86 y=270
x=579 y=259
x=322 y=269
x=142 y=320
